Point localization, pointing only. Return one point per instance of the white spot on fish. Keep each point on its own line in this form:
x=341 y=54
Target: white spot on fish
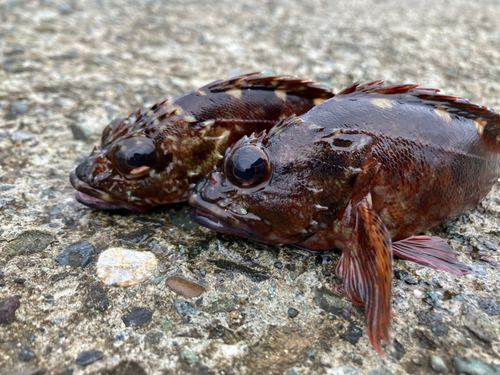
x=235 y=93
x=443 y=114
x=480 y=125
x=315 y=127
x=383 y=103
x=319 y=100
x=281 y=94
x=208 y=123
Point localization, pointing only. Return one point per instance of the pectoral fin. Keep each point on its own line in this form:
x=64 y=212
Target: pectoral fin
x=365 y=269
x=433 y=252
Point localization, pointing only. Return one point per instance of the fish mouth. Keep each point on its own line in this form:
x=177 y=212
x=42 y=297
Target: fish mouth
x=249 y=226
x=95 y=198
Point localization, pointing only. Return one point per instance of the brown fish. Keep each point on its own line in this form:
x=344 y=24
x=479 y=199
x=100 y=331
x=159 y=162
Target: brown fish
x=363 y=172
x=151 y=158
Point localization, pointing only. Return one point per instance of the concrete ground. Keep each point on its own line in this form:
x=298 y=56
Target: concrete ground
x=77 y=65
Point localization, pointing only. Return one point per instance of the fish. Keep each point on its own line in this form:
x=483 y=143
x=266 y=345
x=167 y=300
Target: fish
x=365 y=172
x=153 y=157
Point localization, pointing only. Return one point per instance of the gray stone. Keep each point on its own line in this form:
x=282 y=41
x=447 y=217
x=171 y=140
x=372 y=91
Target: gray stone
x=80 y=133
x=48 y=193
x=6 y=201
x=25 y=355
x=328 y=301
x=58 y=210
x=489 y=306
x=29 y=242
x=97 y=298
x=437 y=364
x=184 y=308
x=343 y=371
x=478 y=323
x=220 y=306
x=137 y=237
x=471 y=366
x=19 y=108
x=292 y=313
x=137 y=317
x=478 y=270
x=380 y=371
x=352 y=334
x=189 y=357
x=65 y=9
x=21 y=136
x=76 y=255
x=88 y=357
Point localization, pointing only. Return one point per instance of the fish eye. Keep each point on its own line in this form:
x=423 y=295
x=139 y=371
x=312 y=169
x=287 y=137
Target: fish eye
x=134 y=157
x=247 y=167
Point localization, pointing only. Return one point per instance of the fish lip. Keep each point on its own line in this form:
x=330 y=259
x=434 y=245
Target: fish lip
x=207 y=220
x=91 y=197
x=210 y=221
x=210 y=215
x=93 y=202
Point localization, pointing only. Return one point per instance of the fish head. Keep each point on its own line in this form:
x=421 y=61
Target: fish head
x=144 y=160
x=278 y=189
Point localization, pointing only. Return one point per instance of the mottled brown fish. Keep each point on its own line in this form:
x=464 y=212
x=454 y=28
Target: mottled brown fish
x=363 y=172
x=151 y=158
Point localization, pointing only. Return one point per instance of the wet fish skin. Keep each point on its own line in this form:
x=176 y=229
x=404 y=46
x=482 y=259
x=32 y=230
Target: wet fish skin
x=151 y=158
x=364 y=172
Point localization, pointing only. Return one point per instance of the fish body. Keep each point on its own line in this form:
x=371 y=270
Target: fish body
x=364 y=172
x=151 y=158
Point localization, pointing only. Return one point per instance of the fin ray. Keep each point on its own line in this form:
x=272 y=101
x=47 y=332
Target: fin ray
x=486 y=118
x=433 y=252
x=290 y=84
x=366 y=272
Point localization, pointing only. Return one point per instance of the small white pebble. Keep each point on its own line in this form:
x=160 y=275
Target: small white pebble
x=125 y=267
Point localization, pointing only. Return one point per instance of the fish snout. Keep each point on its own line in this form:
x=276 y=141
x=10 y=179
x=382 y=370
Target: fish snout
x=209 y=189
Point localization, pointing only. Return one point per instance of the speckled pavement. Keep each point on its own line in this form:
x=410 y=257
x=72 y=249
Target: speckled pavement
x=67 y=69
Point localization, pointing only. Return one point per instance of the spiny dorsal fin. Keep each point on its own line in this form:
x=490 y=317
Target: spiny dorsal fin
x=486 y=118
x=290 y=84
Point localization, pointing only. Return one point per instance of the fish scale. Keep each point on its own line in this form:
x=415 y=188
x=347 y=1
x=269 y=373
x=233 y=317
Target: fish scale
x=384 y=163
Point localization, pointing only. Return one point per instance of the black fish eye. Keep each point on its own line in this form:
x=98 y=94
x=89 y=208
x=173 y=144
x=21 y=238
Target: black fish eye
x=248 y=166
x=134 y=157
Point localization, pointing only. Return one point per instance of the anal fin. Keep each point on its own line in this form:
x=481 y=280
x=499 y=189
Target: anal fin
x=365 y=269
x=433 y=252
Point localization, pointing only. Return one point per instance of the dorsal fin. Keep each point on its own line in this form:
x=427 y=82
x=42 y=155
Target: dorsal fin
x=290 y=84
x=486 y=119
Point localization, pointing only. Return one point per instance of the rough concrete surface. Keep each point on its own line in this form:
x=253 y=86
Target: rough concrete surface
x=67 y=69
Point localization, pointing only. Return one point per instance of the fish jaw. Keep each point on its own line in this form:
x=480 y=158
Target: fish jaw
x=98 y=199
x=247 y=225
